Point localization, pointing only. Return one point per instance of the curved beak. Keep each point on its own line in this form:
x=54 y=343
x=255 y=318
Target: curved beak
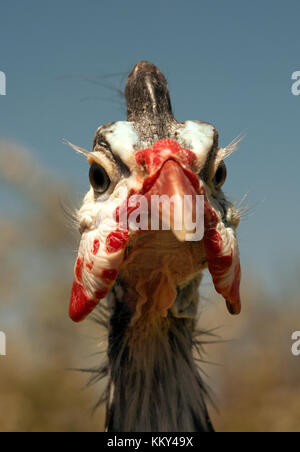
x=174 y=198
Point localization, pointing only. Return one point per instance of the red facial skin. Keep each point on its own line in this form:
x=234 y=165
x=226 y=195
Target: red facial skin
x=154 y=158
x=100 y=294
x=116 y=241
x=96 y=247
x=81 y=305
x=90 y=266
x=218 y=264
x=78 y=269
x=234 y=302
x=153 y=161
x=109 y=275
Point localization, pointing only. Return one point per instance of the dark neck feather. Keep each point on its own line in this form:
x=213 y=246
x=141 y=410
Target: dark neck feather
x=154 y=386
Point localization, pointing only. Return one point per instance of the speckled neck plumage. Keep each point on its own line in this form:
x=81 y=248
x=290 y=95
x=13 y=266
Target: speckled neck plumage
x=158 y=367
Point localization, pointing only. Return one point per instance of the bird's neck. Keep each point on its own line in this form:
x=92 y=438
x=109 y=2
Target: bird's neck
x=154 y=381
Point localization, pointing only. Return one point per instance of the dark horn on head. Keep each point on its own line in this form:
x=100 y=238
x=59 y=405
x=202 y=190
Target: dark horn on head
x=147 y=93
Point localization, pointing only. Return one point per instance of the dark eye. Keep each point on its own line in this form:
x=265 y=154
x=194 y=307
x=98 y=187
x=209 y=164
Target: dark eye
x=99 y=178
x=220 y=175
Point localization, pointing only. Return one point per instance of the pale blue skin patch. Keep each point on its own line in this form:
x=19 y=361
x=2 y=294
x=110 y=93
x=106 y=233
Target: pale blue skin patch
x=122 y=138
x=196 y=136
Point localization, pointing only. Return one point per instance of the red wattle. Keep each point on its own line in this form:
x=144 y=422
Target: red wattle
x=221 y=266
x=80 y=304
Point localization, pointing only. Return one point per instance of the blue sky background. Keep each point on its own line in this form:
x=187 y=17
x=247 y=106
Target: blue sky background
x=227 y=62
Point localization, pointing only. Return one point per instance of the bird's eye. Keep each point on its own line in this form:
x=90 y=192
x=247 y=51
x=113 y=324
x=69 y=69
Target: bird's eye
x=220 y=175
x=99 y=178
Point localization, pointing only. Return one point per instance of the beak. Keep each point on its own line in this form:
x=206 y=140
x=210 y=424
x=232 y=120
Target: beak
x=175 y=187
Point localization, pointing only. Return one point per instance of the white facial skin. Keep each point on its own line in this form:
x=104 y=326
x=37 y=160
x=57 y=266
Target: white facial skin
x=102 y=248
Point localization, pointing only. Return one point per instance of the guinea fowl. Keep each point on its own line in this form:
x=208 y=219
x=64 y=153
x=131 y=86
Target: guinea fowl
x=150 y=276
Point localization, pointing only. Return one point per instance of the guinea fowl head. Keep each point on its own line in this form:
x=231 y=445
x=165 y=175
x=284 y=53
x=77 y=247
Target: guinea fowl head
x=146 y=174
